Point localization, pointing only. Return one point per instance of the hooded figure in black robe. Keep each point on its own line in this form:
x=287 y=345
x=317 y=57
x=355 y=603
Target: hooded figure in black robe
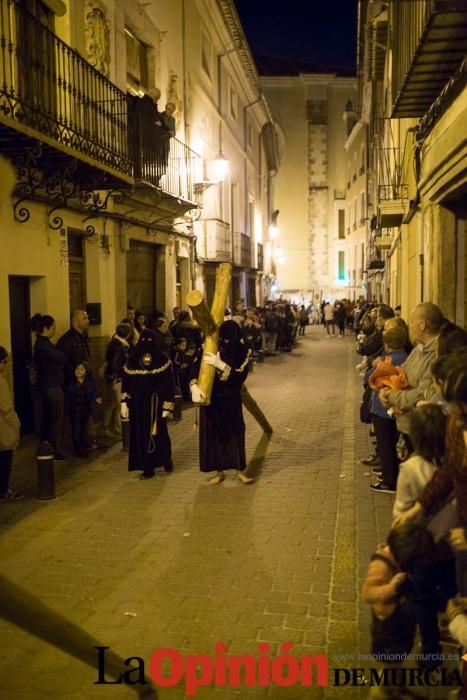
x=148 y=391
x=222 y=428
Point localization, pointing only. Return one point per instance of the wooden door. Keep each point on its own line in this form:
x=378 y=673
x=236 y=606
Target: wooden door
x=21 y=349
x=141 y=276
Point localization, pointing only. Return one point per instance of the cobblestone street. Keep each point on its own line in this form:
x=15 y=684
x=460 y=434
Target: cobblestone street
x=176 y=563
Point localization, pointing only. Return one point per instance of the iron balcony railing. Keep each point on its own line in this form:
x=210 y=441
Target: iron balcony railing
x=49 y=87
x=387 y=193
x=46 y=86
x=428 y=43
x=162 y=160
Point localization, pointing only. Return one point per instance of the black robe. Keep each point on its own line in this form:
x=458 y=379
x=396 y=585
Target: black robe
x=148 y=391
x=221 y=425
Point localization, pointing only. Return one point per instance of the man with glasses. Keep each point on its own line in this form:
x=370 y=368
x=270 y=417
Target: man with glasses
x=425 y=323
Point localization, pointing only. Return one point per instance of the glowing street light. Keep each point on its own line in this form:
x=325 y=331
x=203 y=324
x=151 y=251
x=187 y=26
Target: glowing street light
x=220 y=167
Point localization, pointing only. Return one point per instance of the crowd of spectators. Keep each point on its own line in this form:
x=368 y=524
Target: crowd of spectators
x=415 y=402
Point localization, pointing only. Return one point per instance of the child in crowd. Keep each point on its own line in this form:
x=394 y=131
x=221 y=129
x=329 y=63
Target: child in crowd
x=434 y=583
x=183 y=362
x=384 y=425
x=388 y=589
x=81 y=397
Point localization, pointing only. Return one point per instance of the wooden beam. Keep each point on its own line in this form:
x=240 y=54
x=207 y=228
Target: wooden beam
x=216 y=317
x=200 y=311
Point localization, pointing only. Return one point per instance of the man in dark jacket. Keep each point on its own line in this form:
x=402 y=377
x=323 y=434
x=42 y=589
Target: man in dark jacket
x=75 y=343
x=115 y=357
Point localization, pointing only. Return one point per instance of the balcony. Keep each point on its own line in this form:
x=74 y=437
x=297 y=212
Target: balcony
x=348 y=185
x=162 y=162
x=260 y=256
x=339 y=194
x=53 y=101
x=430 y=42
x=361 y=170
x=218 y=241
x=354 y=177
x=69 y=130
x=383 y=239
x=392 y=204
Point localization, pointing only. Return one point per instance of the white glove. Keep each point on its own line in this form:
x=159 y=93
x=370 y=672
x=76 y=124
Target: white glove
x=124 y=412
x=197 y=396
x=214 y=360
x=166 y=414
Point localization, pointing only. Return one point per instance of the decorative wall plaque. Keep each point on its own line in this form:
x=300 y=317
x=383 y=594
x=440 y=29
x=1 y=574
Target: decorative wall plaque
x=97 y=31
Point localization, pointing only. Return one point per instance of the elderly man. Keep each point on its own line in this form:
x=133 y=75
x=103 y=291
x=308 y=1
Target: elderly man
x=424 y=326
x=75 y=342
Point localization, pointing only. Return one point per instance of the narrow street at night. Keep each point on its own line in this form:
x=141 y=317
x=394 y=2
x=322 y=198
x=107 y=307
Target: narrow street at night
x=176 y=563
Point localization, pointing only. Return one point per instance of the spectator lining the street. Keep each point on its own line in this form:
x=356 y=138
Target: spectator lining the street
x=115 y=357
x=453 y=475
x=75 y=343
x=49 y=364
x=388 y=590
x=9 y=434
x=425 y=323
x=384 y=424
x=81 y=396
x=434 y=583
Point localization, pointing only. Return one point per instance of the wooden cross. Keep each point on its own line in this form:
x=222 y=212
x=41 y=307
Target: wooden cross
x=209 y=321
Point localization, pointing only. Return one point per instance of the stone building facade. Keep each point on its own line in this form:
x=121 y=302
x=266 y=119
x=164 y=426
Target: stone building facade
x=307 y=103
x=96 y=211
x=413 y=97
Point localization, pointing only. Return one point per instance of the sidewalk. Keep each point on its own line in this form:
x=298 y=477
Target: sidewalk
x=176 y=563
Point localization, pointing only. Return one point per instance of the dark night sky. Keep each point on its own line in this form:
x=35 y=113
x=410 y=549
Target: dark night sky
x=321 y=31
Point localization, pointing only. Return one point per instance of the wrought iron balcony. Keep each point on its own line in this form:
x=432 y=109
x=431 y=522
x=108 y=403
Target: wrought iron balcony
x=70 y=129
x=161 y=160
x=50 y=93
x=382 y=238
x=260 y=256
x=393 y=202
x=430 y=42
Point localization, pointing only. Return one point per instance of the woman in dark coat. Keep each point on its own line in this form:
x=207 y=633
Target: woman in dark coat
x=50 y=363
x=148 y=395
x=222 y=428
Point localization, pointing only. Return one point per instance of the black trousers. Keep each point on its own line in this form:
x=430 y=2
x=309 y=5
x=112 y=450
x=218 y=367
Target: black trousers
x=53 y=401
x=6 y=460
x=79 y=431
x=386 y=441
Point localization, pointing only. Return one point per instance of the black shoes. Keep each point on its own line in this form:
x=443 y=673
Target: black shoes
x=381 y=487
x=58 y=457
x=143 y=477
x=371 y=461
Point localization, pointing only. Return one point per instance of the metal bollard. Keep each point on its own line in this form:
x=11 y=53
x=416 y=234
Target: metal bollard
x=45 y=472
x=125 y=434
x=177 y=413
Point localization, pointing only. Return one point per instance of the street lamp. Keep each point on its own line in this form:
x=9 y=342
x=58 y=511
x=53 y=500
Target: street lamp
x=273 y=232
x=220 y=166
